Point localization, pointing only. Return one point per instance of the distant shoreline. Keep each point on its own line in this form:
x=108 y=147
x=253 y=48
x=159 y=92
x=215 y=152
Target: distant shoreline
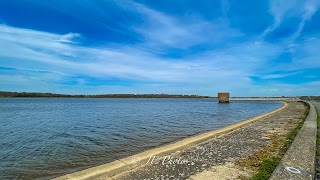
x=7 y=94
x=11 y=94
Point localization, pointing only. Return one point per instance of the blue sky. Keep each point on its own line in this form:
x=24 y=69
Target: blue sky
x=249 y=48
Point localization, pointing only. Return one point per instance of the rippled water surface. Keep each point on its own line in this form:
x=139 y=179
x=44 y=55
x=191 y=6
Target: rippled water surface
x=47 y=137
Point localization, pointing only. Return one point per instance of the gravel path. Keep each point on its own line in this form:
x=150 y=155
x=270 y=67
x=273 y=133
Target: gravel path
x=214 y=159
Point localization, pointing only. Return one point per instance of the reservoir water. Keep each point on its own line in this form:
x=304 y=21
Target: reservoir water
x=47 y=137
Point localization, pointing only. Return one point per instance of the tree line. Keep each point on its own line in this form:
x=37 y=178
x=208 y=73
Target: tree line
x=38 y=94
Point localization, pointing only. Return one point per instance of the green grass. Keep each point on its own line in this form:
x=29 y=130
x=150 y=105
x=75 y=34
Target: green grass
x=266 y=168
x=268 y=165
x=290 y=137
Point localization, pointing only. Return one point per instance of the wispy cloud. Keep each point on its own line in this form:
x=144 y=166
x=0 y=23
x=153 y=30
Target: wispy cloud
x=310 y=7
x=54 y=52
x=279 y=75
x=281 y=9
x=160 y=29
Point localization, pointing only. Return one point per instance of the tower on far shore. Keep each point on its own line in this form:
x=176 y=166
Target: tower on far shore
x=223 y=97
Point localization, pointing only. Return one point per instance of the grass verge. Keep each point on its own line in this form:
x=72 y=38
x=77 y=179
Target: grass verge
x=266 y=160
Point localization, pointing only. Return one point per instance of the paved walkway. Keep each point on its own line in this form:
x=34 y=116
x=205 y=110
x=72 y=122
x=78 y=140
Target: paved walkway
x=317 y=106
x=299 y=161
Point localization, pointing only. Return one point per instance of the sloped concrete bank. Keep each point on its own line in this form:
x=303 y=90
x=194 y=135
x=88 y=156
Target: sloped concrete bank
x=298 y=163
x=217 y=158
x=129 y=166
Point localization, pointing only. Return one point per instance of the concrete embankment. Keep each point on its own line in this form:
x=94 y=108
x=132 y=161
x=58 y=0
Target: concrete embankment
x=299 y=161
x=218 y=157
x=129 y=165
x=317 y=164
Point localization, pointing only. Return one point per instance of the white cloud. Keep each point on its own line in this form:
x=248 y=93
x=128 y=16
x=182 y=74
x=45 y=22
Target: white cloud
x=27 y=49
x=278 y=75
x=277 y=89
x=160 y=29
x=310 y=7
x=51 y=49
x=279 y=8
x=225 y=69
x=282 y=9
